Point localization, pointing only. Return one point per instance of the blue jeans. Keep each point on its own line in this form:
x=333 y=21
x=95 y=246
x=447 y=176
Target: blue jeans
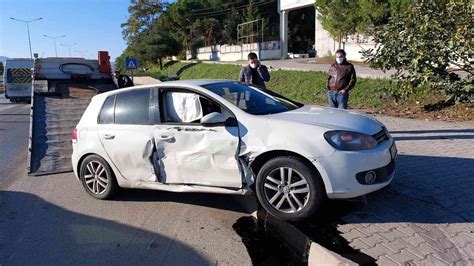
x=338 y=100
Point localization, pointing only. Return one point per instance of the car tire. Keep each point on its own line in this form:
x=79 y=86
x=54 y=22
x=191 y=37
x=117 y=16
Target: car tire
x=287 y=199
x=97 y=177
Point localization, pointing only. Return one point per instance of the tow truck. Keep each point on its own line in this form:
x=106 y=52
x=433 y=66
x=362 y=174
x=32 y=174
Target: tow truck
x=61 y=90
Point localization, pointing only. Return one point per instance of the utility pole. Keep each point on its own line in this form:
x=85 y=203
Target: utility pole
x=69 y=47
x=28 y=28
x=55 y=38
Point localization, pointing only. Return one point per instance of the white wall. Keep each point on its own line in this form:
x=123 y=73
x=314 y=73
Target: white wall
x=269 y=50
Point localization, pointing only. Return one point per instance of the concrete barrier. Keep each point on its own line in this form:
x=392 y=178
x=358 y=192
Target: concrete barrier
x=299 y=243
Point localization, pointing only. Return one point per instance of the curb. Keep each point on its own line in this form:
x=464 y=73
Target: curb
x=299 y=243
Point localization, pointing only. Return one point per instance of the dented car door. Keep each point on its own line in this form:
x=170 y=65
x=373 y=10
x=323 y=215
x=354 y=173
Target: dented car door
x=127 y=137
x=190 y=153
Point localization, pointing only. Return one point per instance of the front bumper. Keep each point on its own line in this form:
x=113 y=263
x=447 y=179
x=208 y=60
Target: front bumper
x=344 y=169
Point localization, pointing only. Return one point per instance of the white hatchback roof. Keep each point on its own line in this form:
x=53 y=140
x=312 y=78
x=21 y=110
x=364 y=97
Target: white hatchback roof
x=189 y=82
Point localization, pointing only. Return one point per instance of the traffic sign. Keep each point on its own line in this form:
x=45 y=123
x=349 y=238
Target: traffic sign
x=131 y=63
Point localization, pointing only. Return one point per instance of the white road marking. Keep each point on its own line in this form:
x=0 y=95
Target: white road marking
x=7 y=106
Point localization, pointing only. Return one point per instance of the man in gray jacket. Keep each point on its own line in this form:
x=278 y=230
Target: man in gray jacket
x=254 y=73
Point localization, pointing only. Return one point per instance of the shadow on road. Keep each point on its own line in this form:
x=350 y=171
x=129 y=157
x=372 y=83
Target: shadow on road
x=34 y=231
x=245 y=204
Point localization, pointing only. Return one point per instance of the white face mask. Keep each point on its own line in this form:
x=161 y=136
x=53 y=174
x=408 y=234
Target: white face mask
x=253 y=65
x=339 y=60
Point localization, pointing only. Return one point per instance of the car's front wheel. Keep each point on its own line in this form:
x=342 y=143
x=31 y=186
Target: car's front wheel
x=289 y=189
x=97 y=177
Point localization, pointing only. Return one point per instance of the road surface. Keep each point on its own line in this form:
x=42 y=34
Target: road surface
x=14 y=126
x=51 y=220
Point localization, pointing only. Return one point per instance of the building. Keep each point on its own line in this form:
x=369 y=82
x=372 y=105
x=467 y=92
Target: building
x=301 y=34
x=324 y=44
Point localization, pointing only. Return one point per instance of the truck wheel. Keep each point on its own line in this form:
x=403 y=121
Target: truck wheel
x=288 y=189
x=97 y=177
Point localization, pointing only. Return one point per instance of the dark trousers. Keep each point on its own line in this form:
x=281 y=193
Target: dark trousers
x=338 y=100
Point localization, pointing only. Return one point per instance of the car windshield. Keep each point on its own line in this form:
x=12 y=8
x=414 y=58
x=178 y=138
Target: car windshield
x=253 y=100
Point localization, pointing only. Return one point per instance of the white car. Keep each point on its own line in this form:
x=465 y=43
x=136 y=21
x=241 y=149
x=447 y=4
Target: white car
x=222 y=136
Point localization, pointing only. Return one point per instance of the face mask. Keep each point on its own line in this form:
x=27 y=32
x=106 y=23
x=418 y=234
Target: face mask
x=253 y=65
x=339 y=60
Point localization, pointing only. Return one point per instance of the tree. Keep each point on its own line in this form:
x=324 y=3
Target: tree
x=142 y=15
x=230 y=26
x=338 y=17
x=343 y=17
x=423 y=42
x=158 y=45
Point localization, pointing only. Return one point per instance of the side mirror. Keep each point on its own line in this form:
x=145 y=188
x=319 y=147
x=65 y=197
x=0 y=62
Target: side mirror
x=213 y=119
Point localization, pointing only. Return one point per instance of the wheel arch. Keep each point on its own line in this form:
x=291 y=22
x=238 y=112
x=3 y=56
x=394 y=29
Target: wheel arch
x=79 y=163
x=257 y=163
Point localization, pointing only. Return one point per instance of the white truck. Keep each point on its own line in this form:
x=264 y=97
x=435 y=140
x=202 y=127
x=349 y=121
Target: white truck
x=17 y=78
x=62 y=89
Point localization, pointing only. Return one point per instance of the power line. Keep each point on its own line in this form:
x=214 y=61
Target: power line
x=210 y=8
x=222 y=12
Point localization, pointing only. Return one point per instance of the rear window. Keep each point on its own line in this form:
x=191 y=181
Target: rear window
x=133 y=107
x=106 y=115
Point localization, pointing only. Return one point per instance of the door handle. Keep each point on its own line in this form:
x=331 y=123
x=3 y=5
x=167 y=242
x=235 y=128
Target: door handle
x=165 y=138
x=108 y=136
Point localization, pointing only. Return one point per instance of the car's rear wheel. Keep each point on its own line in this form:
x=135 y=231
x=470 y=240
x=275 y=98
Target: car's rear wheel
x=97 y=177
x=289 y=189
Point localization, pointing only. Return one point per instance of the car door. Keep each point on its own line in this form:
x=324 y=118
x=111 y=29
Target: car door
x=190 y=153
x=127 y=137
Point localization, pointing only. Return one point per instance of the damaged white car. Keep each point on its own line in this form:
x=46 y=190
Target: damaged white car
x=221 y=136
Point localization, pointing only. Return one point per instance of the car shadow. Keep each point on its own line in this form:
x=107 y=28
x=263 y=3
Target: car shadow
x=34 y=231
x=236 y=203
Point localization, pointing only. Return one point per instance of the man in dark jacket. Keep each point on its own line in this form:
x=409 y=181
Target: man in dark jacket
x=341 y=79
x=254 y=73
x=122 y=81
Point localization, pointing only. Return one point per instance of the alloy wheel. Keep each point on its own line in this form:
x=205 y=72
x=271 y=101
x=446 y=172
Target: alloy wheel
x=286 y=190
x=96 y=178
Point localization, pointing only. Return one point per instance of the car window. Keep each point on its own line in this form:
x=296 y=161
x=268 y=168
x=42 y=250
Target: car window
x=252 y=100
x=188 y=107
x=133 y=107
x=106 y=115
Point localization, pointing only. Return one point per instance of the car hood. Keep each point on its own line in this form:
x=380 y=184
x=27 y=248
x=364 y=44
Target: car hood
x=332 y=118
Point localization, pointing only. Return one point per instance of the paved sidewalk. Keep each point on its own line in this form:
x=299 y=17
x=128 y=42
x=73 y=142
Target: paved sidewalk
x=426 y=216
x=306 y=64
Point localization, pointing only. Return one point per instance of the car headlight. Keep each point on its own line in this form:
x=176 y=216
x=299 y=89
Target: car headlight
x=350 y=141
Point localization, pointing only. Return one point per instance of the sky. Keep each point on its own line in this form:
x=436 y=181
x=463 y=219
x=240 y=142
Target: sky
x=93 y=24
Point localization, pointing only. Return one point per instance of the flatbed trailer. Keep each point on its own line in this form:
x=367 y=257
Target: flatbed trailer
x=62 y=90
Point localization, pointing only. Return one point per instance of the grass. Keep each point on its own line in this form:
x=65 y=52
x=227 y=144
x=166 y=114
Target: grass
x=309 y=88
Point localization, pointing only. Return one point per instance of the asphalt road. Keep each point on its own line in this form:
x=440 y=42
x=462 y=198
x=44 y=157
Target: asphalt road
x=51 y=220
x=14 y=127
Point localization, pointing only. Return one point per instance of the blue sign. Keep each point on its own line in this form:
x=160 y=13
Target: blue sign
x=131 y=63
